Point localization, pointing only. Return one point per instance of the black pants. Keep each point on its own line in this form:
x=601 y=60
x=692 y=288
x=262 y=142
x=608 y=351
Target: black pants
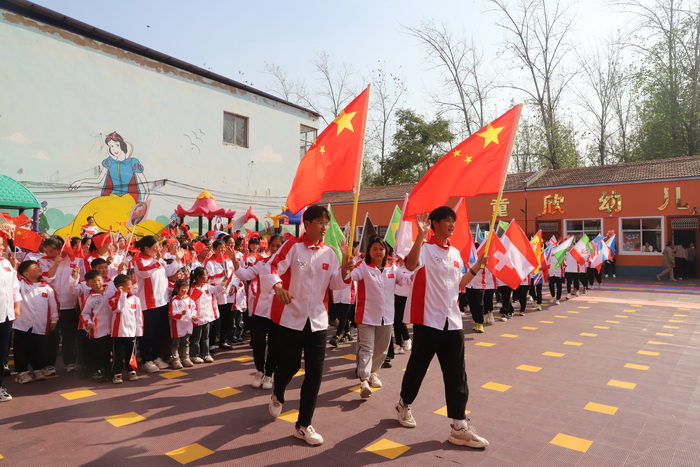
x=100 y=353
x=341 y=312
x=264 y=336
x=594 y=276
x=31 y=349
x=122 y=348
x=449 y=347
x=555 y=287
x=610 y=267
x=583 y=277
x=68 y=327
x=290 y=344
x=571 y=279
x=506 y=305
x=5 y=334
x=156 y=334
x=488 y=300
x=476 y=304
x=225 y=322
x=520 y=294
x=536 y=292
x=400 y=329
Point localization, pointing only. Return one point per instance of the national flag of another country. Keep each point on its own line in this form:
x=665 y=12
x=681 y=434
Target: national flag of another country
x=560 y=250
x=611 y=245
x=367 y=232
x=393 y=228
x=581 y=250
x=519 y=249
x=331 y=163
x=404 y=236
x=334 y=235
x=536 y=243
x=479 y=235
x=500 y=264
x=475 y=166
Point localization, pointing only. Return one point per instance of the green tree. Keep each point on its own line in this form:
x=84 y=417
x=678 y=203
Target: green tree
x=418 y=144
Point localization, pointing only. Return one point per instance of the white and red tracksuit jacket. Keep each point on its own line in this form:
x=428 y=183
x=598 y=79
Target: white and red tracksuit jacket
x=374 y=304
x=152 y=280
x=61 y=281
x=127 y=317
x=182 y=310
x=215 y=266
x=204 y=297
x=38 y=308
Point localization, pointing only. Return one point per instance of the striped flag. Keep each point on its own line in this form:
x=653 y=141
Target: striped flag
x=390 y=235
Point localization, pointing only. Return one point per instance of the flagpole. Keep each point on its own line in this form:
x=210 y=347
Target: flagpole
x=358 y=176
x=504 y=172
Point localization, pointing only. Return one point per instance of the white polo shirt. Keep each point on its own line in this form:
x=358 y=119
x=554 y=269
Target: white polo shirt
x=374 y=303
x=434 y=298
x=9 y=290
x=39 y=308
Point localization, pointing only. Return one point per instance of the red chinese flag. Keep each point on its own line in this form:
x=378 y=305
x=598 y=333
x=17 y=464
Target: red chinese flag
x=462 y=236
x=101 y=240
x=68 y=250
x=331 y=163
x=132 y=361
x=474 y=167
x=28 y=239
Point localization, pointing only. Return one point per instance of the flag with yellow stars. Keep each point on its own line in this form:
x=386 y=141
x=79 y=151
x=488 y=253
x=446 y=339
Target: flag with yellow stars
x=331 y=163
x=474 y=167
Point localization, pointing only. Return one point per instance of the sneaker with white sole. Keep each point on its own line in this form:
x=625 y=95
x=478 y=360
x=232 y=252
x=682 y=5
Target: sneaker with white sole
x=552 y=300
x=257 y=380
x=4 y=395
x=467 y=437
x=151 y=367
x=208 y=359
x=398 y=350
x=365 y=391
x=117 y=379
x=267 y=382
x=38 y=375
x=308 y=434
x=187 y=363
x=407 y=345
x=71 y=367
x=132 y=376
x=374 y=381
x=161 y=364
x=557 y=302
x=568 y=296
x=24 y=378
x=274 y=406
x=404 y=414
x=176 y=364
x=197 y=360
x=49 y=371
x=539 y=307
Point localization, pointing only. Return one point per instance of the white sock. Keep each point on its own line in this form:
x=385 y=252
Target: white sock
x=459 y=424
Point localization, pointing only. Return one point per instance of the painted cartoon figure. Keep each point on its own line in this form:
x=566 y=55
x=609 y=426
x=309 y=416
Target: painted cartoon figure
x=121 y=173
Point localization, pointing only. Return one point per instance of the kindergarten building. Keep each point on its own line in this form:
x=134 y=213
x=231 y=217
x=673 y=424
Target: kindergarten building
x=88 y=115
x=645 y=203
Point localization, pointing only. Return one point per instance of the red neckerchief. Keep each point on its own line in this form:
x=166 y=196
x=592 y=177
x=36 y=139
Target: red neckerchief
x=435 y=241
x=310 y=245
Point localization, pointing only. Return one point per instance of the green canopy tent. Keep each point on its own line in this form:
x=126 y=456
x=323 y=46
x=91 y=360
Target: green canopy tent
x=14 y=195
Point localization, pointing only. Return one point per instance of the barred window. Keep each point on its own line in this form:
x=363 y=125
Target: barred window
x=235 y=130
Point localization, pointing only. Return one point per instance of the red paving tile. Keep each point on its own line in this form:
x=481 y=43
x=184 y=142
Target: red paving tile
x=657 y=422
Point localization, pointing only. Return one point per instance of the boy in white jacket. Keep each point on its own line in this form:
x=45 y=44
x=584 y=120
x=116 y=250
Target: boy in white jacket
x=127 y=325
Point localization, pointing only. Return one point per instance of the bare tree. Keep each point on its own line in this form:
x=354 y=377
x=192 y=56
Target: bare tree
x=537 y=31
x=465 y=78
x=287 y=88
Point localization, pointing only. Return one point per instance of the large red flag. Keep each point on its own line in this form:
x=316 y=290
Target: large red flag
x=500 y=264
x=331 y=163
x=474 y=167
x=28 y=239
x=462 y=236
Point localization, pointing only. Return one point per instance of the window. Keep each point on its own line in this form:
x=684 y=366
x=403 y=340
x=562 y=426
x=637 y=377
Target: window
x=235 y=130
x=307 y=137
x=590 y=227
x=641 y=235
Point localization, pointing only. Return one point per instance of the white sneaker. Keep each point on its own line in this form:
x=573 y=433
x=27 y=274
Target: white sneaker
x=267 y=382
x=175 y=363
x=274 y=406
x=132 y=376
x=187 y=363
x=197 y=360
x=606 y=275
x=365 y=391
x=151 y=367
x=467 y=437
x=489 y=318
x=407 y=345
x=118 y=379
x=613 y=275
x=539 y=307
x=257 y=380
x=161 y=364
x=308 y=434
x=398 y=350
x=552 y=300
x=4 y=395
x=374 y=381
x=405 y=416
x=38 y=375
x=568 y=296
x=71 y=367
x=24 y=378
x=208 y=359
x=49 y=371
x=557 y=302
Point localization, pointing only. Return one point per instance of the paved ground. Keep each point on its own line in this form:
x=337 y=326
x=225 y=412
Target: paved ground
x=609 y=378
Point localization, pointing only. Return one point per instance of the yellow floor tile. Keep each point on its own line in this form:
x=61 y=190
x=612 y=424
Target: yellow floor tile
x=611 y=321
x=1 y=456
x=571 y=442
x=588 y=334
x=684 y=309
x=601 y=327
x=574 y=312
x=630 y=311
x=78 y=394
x=676 y=321
x=125 y=419
x=559 y=316
x=667 y=334
x=529 y=328
x=646 y=352
x=224 y=392
x=602 y=408
x=621 y=316
x=657 y=343
x=634 y=366
x=301 y=372
x=243 y=359
x=547 y=322
x=510 y=335
x=496 y=386
x=350 y=356
x=485 y=344
x=632 y=304
x=172 y=374
x=672 y=327
x=357 y=389
x=533 y=369
x=189 y=453
x=289 y=416
x=592 y=302
x=387 y=448
x=584 y=307
x=572 y=343
x=443 y=411
x=622 y=384
x=680 y=315
x=553 y=354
